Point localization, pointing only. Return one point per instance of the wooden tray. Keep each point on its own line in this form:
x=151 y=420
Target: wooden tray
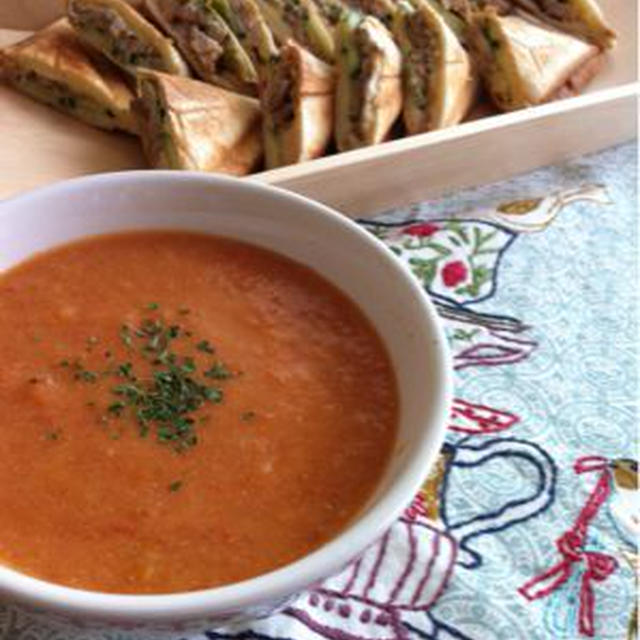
x=40 y=146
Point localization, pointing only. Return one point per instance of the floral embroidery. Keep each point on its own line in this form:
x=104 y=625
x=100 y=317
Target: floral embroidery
x=422 y=230
x=455 y=261
x=454 y=273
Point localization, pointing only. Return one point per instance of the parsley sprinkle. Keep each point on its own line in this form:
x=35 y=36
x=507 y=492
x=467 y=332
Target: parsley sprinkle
x=213 y=394
x=85 y=376
x=218 y=372
x=162 y=395
x=153 y=306
x=176 y=485
x=125 y=335
x=246 y=416
x=116 y=408
x=204 y=345
x=124 y=370
x=188 y=366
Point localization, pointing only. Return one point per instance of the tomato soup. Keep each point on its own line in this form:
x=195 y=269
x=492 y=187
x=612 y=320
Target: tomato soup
x=181 y=411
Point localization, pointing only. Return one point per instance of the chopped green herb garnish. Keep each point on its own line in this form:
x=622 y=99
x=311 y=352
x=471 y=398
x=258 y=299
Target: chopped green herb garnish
x=125 y=335
x=124 y=370
x=213 y=394
x=246 y=416
x=52 y=435
x=86 y=376
x=163 y=396
x=218 y=372
x=175 y=486
x=188 y=365
x=116 y=408
x=204 y=345
x=153 y=306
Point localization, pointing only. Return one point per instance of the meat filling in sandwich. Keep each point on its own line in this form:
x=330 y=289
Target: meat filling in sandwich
x=297 y=105
x=207 y=42
x=300 y=20
x=439 y=84
x=369 y=86
x=123 y=35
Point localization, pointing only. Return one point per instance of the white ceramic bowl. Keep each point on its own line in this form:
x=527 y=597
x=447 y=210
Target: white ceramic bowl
x=313 y=235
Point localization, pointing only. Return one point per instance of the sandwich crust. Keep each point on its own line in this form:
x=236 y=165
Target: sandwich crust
x=369 y=84
x=439 y=82
x=297 y=103
x=525 y=64
x=187 y=124
x=55 y=67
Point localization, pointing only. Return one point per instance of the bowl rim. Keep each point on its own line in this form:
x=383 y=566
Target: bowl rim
x=328 y=559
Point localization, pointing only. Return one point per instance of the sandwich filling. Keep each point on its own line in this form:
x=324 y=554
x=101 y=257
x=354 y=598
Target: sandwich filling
x=497 y=63
x=301 y=20
x=154 y=123
x=279 y=101
x=59 y=95
x=364 y=63
x=208 y=41
x=384 y=10
x=250 y=27
x=420 y=59
x=557 y=9
x=331 y=10
x=279 y=97
x=114 y=35
x=582 y=17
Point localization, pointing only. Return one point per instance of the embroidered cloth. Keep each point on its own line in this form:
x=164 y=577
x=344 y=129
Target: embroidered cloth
x=527 y=527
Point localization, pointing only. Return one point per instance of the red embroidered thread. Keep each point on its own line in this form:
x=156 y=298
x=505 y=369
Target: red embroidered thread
x=599 y=566
x=416 y=508
x=477 y=418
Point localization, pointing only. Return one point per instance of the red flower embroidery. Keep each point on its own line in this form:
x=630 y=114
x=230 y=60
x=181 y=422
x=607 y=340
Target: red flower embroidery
x=423 y=230
x=454 y=273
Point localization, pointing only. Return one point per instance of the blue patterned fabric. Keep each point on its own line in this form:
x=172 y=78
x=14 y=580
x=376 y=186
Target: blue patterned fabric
x=527 y=529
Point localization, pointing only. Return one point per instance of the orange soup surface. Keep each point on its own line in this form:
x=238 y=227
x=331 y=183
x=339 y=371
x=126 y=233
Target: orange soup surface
x=181 y=411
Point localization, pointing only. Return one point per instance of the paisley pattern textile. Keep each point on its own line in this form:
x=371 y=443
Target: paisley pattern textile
x=527 y=527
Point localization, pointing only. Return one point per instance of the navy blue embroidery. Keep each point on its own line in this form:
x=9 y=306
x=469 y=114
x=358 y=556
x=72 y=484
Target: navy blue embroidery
x=547 y=474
